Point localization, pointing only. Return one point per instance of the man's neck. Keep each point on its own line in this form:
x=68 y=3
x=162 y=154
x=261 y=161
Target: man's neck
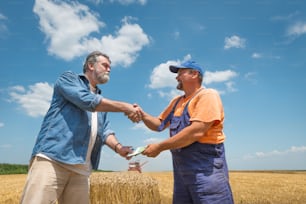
x=92 y=85
x=191 y=91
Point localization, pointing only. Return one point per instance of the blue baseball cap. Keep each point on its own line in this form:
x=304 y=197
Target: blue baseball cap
x=186 y=65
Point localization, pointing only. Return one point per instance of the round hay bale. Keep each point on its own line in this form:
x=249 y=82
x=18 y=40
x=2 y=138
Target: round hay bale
x=123 y=188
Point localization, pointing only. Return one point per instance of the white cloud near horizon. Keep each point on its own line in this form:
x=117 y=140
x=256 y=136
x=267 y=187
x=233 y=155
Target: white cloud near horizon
x=35 y=100
x=71 y=38
x=234 y=42
x=293 y=149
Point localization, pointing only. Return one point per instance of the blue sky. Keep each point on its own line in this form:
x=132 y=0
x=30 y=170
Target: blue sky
x=253 y=53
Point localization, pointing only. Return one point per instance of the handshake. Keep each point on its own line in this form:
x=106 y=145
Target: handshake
x=135 y=113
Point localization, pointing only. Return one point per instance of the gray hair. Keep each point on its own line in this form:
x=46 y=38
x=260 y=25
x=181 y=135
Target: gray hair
x=92 y=58
x=200 y=77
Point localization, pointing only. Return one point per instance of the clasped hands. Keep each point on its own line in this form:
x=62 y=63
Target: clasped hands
x=135 y=113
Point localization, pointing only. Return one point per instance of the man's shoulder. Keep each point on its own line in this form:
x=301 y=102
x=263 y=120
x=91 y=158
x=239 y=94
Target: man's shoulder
x=70 y=77
x=69 y=72
x=209 y=91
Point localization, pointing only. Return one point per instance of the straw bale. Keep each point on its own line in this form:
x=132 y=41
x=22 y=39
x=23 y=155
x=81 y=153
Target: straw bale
x=123 y=188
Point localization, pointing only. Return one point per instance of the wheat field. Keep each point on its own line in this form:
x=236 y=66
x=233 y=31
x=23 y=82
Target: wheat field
x=277 y=187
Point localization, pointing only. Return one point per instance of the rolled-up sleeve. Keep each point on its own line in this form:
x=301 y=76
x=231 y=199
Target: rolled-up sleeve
x=75 y=90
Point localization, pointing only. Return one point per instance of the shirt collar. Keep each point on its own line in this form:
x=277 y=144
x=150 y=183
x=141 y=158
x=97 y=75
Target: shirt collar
x=84 y=78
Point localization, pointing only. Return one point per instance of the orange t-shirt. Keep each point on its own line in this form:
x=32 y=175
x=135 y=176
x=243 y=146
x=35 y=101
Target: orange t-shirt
x=205 y=106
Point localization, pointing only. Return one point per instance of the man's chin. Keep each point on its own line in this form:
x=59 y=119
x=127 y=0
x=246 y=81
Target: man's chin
x=179 y=87
x=104 y=80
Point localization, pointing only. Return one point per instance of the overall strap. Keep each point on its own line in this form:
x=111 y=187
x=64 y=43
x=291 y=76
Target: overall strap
x=169 y=117
x=186 y=106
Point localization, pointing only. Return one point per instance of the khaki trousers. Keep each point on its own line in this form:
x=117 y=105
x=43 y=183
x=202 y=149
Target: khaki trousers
x=48 y=182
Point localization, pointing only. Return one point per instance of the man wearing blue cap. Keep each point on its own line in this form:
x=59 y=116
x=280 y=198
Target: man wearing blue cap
x=195 y=120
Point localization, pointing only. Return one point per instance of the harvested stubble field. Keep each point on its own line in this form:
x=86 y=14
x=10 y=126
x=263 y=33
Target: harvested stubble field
x=275 y=187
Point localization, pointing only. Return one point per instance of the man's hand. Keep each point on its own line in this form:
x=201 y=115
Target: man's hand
x=124 y=151
x=152 y=150
x=135 y=114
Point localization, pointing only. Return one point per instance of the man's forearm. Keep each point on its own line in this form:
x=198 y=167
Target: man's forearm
x=113 y=143
x=150 y=121
x=107 y=105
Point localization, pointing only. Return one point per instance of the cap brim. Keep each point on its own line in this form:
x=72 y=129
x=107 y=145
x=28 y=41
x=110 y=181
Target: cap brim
x=174 y=69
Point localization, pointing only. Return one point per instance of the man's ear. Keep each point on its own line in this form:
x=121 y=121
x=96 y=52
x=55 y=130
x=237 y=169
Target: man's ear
x=195 y=74
x=91 y=66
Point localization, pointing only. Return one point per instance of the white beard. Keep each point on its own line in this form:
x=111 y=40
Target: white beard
x=103 y=78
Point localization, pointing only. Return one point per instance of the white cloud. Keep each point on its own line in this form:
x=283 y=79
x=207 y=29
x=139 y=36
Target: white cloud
x=251 y=76
x=1 y=125
x=35 y=101
x=218 y=76
x=127 y=2
x=6 y=146
x=17 y=88
x=285 y=18
x=2 y=17
x=230 y=86
x=297 y=29
x=260 y=55
x=234 y=42
x=152 y=140
x=141 y=126
x=176 y=35
x=297 y=149
x=97 y=2
x=256 y=55
x=293 y=149
x=170 y=94
x=68 y=28
x=3 y=27
x=123 y=2
x=123 y=48
x=161 y=77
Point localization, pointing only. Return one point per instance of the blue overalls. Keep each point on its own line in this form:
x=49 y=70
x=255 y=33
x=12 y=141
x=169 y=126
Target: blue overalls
x=200 y=170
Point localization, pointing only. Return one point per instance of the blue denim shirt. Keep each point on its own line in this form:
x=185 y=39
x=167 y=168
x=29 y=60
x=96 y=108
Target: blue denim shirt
x=65 y=131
